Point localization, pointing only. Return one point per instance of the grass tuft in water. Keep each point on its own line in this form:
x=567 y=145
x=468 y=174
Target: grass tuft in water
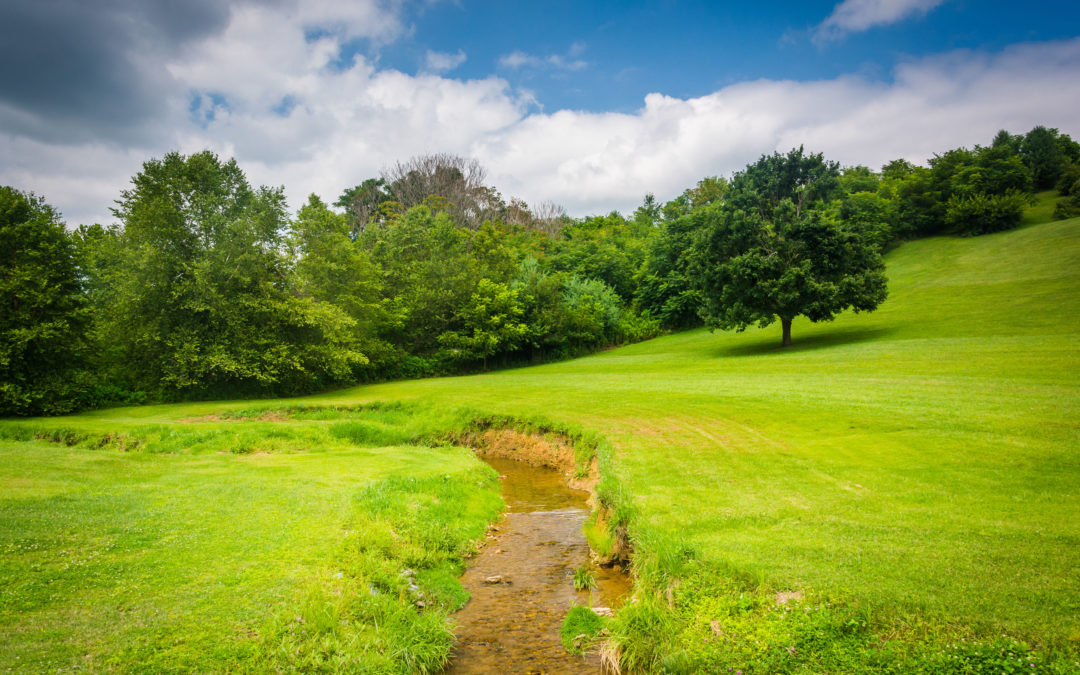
x=580 y=628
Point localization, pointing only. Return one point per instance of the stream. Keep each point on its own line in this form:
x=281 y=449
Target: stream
x=522 y=581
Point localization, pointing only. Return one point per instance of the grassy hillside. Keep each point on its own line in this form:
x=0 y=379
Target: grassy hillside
x=913 y=473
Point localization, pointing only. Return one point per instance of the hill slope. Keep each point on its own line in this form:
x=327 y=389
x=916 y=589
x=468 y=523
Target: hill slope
x=919 y=464
x=924 y=458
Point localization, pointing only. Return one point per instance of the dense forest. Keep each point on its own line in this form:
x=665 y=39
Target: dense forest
x=208 y=287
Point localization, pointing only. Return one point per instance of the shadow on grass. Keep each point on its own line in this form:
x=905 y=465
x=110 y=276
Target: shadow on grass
x=822 y=340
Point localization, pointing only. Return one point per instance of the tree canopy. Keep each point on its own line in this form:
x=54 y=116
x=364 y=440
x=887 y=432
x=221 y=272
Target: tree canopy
x=204 y=297
x=43 y=340
x=772 y=251
x=209 y=287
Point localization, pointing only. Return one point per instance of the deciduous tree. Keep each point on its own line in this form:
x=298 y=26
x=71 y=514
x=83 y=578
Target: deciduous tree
x=773 y=252
x=205 y=303
x=44 y=316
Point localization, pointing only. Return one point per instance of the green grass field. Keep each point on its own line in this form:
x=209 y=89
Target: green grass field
x=913 y=473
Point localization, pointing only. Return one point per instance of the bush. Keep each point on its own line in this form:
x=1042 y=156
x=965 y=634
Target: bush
x=634 y=327
x=1069 y=183
x=1069 y=208
x=981 y=213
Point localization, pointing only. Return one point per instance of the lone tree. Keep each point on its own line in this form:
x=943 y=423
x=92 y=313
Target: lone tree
x=774 y=250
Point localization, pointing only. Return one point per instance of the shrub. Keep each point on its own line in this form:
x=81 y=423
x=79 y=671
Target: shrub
x=1069 y=183
x=981 y=213
x=1069 y=208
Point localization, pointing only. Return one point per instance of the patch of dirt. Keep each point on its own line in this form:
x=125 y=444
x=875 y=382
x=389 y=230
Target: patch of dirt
x=203 y=418
x=273 y=416
x=268 y=416
x=548 y=450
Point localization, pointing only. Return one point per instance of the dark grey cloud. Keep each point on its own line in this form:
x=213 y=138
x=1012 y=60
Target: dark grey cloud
x=76 y=70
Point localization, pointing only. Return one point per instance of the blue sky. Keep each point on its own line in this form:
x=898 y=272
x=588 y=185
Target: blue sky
x=689 y=49
x=588 y=105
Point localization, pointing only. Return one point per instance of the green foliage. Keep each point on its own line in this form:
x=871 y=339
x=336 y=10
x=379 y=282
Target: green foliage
x=362 y=203
x=584 y=579
x=774 y=253
x=917 y=198
x=992 y=171
x=870 y=213
x=580 y=627
x=1046 y=151
x=493 y=324
x=856 y=179
x=202 y=303
x=973 y=189
x=43 y=346
x=1069 y=207
x=665 y=290
x=980 y=213
x=709 y=190
x=428 y=274
x=1069 y=183
x=593 y=312
x=605 y=248
x=804 y=180
x=332 y=268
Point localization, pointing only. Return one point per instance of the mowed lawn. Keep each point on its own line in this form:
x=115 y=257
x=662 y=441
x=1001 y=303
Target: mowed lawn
x=921 y=462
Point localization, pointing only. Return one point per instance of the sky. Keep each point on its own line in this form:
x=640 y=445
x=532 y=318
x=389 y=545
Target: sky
x=588 y=105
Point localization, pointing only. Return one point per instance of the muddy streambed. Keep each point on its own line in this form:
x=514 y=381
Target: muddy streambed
x=522 y=582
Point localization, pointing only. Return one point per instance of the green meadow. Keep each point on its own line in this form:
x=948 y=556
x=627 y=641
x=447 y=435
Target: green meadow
x=898 y=491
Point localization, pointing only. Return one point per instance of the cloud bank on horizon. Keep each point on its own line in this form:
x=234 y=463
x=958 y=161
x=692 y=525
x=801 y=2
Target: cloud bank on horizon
x=282 y=88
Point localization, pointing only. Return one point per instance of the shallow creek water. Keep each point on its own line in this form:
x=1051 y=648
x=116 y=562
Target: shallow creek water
x=512 y=626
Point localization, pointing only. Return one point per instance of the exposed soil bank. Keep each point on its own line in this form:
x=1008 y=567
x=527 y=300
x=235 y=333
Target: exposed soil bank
x=522 y=582
x=549 y=451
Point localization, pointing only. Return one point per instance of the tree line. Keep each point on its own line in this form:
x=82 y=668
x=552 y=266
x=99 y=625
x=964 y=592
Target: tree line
x=208 y=287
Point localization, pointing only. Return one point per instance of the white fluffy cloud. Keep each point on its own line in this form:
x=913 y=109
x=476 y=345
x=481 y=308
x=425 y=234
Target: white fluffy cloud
x=592 y=162
x=277 y=97
x=853 y=16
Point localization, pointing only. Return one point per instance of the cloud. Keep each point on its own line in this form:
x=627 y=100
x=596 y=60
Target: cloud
x=59 y=71
x=854 y=16
x=441 y=62
x=592 y=162
x=294 y=110
x=72 y=70
x=569 y=61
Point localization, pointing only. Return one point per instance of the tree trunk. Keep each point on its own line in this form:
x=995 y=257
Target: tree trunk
x=786 y=323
